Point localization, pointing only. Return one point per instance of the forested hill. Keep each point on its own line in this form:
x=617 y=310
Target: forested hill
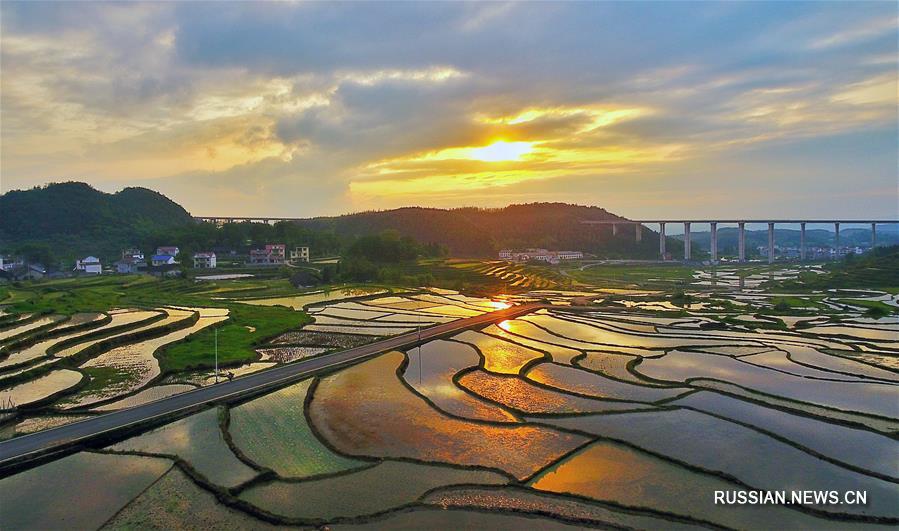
x=78 y=209
x=481 y=232
x=75 y=215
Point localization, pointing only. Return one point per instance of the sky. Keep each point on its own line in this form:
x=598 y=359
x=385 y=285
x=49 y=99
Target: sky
x=299 y=109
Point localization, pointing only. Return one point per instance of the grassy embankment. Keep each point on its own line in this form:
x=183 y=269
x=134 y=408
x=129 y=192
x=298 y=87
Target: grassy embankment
x=238 y=337
x=628 y=276
x=236 y=340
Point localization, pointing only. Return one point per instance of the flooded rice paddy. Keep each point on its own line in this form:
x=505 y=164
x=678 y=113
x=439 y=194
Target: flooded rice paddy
x=608 y=416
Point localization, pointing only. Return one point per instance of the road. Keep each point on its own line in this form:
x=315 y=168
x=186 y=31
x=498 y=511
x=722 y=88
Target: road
x=16 y=451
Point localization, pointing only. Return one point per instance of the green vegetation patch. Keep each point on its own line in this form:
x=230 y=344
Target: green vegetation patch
x=104 y=377
x=272 y=431
x=874 y=308
x=236 y=342
x=631 y=276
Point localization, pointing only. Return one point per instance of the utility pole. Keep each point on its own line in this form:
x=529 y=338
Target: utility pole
x=216 y=335
x=418 y=316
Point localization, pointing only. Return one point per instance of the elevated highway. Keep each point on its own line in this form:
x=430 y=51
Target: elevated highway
x=741 y=225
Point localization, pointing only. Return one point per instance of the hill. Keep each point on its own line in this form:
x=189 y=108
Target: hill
x=481 y=232
x=63 y=221
x=74 y=218
x=77 y=209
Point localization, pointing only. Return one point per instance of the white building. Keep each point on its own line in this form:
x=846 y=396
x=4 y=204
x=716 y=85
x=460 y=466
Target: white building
x=90 y=265
x=204 y=260
x=300 y=254
x=10 y=263
x=542 y=255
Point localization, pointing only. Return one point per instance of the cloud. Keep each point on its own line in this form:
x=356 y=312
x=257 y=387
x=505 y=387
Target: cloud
x=869 y=29
x=297 y=108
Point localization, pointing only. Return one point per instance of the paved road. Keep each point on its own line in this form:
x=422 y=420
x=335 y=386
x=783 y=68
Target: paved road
x=21 y=449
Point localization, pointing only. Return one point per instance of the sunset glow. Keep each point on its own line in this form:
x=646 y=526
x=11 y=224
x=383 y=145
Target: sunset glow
x=501 y=151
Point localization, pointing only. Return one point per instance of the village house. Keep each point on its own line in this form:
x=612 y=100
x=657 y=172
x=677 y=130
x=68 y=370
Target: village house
x=204 y=260
x=35 y=271
x=89 y=265
x=132 y=262
x=541 y=255
x=168 y=250
x=22 y=271
x=135 y=253
x=129 y=264
x=162 y=260
x=7 y=263
x=300 y=254
x=273 y=254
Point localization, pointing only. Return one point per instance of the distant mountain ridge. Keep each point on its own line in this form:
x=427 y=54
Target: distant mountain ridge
x=481 y=232
x=73 y=218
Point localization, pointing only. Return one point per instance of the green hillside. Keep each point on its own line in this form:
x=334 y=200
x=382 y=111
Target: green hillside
x=71 y=219
x=481 y=232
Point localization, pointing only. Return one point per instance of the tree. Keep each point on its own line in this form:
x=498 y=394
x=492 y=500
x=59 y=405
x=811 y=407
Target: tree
x=37 y=252
x=304 y=278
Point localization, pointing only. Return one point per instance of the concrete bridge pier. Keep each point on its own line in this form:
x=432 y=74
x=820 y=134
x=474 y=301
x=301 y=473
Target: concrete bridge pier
x=687 y=240
x=770 y=243
x=741 y=241
x=639 y=233
x=836 y=234
x=714 y=233
x=662 y=241
x=802 y=241
x=874 y=235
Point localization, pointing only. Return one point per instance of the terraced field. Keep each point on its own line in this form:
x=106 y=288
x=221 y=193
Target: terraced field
x=517 y=277
x=585 y=416
x=58 y=367
x=622 y=407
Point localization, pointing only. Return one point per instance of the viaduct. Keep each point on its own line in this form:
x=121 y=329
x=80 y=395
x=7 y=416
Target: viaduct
x=741 y=225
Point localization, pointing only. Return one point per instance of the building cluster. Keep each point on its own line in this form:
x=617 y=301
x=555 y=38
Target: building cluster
x=540 y=255
x=17 y=269
x=164 y=262
x=813 y=253
x=276 y=254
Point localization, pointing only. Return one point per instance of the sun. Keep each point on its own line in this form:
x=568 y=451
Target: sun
x=501 y=151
